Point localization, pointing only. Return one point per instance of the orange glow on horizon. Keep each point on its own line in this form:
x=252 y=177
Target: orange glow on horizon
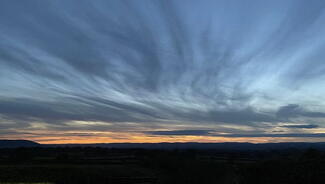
x=83 y=137
x=123 y=137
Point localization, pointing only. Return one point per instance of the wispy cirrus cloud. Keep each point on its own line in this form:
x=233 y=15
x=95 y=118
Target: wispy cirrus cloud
x=163 y=64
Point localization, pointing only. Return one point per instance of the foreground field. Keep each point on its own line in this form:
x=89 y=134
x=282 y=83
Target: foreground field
x=141 y=166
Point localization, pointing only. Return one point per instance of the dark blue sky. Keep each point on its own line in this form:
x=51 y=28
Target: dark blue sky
x=201 y=70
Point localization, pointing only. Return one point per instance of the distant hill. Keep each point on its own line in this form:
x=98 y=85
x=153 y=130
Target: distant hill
x=17 y=143
x=230 y=146
x=227 y=146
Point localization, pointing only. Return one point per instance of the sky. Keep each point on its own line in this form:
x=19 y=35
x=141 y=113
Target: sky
x=90 y=71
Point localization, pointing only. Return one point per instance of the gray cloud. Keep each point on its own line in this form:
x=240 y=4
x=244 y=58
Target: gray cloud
x=309 y=126
x=93 y=109
x=210 y=133
x=294 y=110
x=181 y=132
x=306 y=135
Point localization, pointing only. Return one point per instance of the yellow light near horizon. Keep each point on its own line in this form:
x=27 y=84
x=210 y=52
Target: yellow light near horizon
x=72 y=137
x=141 y=139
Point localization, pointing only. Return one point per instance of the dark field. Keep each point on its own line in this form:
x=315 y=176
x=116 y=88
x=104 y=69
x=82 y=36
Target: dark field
x=91 y=165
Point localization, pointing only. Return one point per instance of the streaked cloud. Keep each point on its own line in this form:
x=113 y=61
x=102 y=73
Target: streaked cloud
x=180 y=132
x=308 y=126
x=305 y=135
